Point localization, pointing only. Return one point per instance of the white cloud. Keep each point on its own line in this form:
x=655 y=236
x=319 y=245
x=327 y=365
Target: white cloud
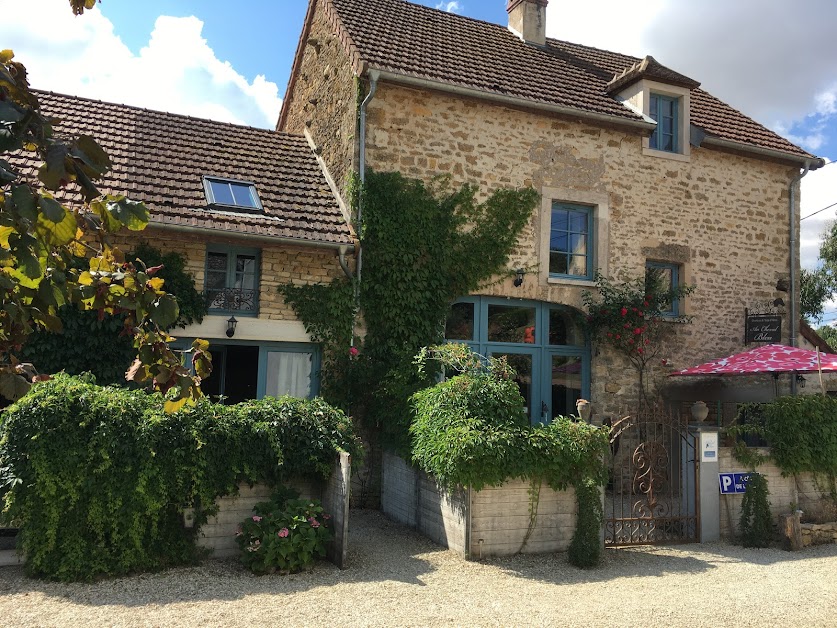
x=450 y=7
x=609 y=24
x=819 y=190
x=176 y=71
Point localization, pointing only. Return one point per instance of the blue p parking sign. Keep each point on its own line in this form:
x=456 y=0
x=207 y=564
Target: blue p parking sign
x=732 y=483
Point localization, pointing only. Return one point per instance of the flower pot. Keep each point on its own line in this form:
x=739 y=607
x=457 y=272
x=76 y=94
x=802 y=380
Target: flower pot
x=699 y=411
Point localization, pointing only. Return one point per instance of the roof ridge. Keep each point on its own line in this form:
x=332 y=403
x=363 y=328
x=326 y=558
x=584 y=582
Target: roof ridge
x=168 y=113
x=588 y=47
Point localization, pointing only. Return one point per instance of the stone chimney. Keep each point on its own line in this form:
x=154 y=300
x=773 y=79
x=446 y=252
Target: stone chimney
x=527 y=20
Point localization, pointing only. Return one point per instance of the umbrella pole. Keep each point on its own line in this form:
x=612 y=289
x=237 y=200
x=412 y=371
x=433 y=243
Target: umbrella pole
x=819 y=369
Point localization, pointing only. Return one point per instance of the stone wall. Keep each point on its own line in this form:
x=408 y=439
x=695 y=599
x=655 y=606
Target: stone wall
x=218 y=533
x=784 y=491
x=280 y=264
x=489 y=522
x=819 y=534
x=324 y=97
x=722 y=216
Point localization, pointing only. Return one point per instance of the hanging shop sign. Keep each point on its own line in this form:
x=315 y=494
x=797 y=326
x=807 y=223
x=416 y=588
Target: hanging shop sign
x=763 y=328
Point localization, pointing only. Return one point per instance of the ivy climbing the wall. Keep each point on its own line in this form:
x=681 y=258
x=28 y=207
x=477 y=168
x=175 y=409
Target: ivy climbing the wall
x=425 y=245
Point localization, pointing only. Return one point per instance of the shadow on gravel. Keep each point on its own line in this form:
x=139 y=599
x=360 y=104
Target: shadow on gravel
x=379 y=551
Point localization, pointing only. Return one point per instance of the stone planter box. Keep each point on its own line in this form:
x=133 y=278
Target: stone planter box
x=218 y=533
x=477 y=524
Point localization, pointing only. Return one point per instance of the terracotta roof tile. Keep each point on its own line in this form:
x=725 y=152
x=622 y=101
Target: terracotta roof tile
x=160 y=158
x=422 y=42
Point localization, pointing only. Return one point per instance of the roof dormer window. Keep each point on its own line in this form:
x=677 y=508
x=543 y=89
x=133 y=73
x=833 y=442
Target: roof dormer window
x=666 y=111
x=229 y=193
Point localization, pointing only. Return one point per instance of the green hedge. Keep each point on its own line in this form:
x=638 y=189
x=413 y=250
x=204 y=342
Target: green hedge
x=97 y=477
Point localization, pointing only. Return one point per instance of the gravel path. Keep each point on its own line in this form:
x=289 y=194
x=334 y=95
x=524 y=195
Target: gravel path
x=398 y=578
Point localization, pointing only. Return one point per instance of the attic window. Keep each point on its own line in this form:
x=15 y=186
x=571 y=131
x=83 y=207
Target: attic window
x=231 y=193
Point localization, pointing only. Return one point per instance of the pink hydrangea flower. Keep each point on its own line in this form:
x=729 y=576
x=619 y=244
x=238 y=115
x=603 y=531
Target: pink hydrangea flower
x=353 y=352
x=314 y=523
x=283 y=533
x=256 y=518
x=326 y=517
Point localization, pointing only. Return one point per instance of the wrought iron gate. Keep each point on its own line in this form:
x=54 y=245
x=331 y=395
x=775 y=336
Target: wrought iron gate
x=652 y=496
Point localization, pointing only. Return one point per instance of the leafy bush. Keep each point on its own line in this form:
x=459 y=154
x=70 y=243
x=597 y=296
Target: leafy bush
x=97 y=478
x=284 y=535
x=756 y=523
x=586 y=546
x=471 y=430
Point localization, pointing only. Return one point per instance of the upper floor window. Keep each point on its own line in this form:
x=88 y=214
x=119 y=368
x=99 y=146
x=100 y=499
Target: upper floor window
x=665 y=110
x=571 y=242
x=666 y=277
x=232 y=280
x=230 y=193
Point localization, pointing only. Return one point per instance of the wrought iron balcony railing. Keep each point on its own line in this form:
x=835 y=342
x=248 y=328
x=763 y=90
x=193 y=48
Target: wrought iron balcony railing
x=231 y=300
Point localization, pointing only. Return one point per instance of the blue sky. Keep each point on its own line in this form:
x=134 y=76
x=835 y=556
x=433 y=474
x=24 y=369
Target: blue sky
x=772 y=59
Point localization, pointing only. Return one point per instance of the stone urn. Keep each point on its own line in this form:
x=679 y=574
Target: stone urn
x=584 y=409
x=700 y=411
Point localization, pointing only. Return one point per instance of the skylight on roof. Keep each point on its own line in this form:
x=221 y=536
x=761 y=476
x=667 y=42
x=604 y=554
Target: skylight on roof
x=231 y=193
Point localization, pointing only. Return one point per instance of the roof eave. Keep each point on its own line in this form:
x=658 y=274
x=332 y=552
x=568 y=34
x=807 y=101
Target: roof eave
x=415 y=81
x=253 y=237
x=802 y=160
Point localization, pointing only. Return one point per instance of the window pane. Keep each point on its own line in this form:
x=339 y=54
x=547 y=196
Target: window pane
x=578 y=244
x=522 y=364
x=558 y=264
x=460 y=323
x=511 y=324
x=559 y=241
x=216 y=271
x=655 y=102
x=578 y=222
x=289 y=374
x=662 y=277
x=221 y=193
x=566 y=384
x=578 y=265
x=564 y=328
x=243 y=195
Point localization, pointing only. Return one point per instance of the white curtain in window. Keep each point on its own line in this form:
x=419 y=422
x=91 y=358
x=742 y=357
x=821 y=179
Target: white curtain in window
x=288 y=374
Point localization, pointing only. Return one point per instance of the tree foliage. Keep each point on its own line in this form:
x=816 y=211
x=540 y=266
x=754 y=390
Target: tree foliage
x=48 y=224
x=820 y=285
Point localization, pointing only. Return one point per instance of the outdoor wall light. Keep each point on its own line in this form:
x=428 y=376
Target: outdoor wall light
x=518 y=280
x=800 y=380
x=779 y=302
x=231 y=323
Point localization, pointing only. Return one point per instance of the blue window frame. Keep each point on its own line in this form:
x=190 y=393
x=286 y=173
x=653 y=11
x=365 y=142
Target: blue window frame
x=571 y=241
x=668 y=275
x=544 y=342
x=666 y=111
x=231 y=280
x=231 y=193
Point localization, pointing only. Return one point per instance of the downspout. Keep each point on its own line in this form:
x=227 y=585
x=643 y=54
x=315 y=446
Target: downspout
x=373 y=87
x=794 y=314
x=341 y=257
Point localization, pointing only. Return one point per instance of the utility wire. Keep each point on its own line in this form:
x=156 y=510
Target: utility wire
x=819 y=210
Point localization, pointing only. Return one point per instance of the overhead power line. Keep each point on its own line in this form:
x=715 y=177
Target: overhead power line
x=818 y=211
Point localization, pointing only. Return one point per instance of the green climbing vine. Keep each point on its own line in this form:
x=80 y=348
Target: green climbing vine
x=424 y=246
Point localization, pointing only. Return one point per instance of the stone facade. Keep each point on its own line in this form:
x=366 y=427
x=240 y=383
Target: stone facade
x=723 y=217
x=279 y=264
x=323 y=100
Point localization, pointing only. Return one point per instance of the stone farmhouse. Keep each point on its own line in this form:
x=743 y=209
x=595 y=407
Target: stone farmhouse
x=250 y=209
x=636 y=166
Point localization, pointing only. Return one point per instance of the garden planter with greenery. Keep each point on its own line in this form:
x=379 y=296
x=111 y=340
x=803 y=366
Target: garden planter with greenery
x=98 y=477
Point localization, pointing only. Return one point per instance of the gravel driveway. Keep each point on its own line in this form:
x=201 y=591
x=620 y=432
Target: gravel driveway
x=398 y=578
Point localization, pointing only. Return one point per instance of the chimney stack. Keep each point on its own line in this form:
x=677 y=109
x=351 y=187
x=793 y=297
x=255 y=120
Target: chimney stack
x=527 y=20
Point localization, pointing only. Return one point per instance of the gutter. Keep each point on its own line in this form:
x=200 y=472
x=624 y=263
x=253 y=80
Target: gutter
x=793 y=257
x=342 y=249
x=807 y=162
x=512 y=101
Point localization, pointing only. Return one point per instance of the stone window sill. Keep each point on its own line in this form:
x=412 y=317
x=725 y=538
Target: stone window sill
x=664 y=154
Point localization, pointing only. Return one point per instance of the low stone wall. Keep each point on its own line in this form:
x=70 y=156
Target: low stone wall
x=782 y=492
x=218 y=533
x=490 y=522
x=819 y=533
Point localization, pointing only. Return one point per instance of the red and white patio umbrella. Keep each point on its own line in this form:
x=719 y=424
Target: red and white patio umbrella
x=767 y=359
